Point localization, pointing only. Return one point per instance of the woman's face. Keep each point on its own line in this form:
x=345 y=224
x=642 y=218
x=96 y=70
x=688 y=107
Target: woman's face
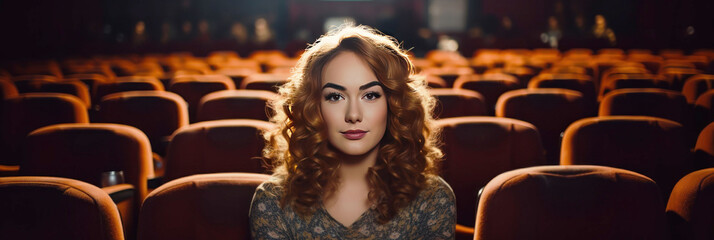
x=353 y=104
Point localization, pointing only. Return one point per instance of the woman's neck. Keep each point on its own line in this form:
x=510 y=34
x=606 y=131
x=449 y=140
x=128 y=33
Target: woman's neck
x=355 y=168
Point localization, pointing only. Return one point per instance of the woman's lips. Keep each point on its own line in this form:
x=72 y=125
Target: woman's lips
x=354 y=134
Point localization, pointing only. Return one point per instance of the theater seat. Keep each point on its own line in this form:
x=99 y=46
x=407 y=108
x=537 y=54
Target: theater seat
x=216 y=146
x=84 y=151
x=490 y=85
x=654 y=147
x=704 y=149
x=704 y=109
x=193 y=87
x=577 y=82
x=477 y=149
x=39 y=208
x=204 y=206
x=697 y=85
x=653 y=102
x=619 y=81
x=264 y=81
x=570 y=202
x=690 y=210
x=31 y=111
x=454 y=102
x=125 y=84
x=235 y=104
x=550 y=110
x=75 y=88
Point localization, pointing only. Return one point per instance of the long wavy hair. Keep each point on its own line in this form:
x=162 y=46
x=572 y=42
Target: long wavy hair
x=303 y=163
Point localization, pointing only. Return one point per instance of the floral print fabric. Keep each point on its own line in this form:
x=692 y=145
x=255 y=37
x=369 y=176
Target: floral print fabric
x=431 y=215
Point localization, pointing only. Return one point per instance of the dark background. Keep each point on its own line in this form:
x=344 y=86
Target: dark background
x=49 y=29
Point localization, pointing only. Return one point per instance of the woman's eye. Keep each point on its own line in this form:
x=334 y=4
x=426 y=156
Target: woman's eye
x=372 y=95
x=333 y=97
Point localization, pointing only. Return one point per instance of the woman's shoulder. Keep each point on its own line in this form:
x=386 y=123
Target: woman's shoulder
x=270 y=189
x=436 y=188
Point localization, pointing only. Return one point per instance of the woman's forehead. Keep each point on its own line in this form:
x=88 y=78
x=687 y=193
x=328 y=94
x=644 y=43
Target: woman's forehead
x=348 y=70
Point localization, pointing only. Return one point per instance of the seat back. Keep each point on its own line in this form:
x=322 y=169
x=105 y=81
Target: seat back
x=654 y=147
x=570 y=202
x=490 y=86
x=550 y=110
x=85 y=151
x=479 y=148
x=264 y=81
x=235 y=104
x=697 y=85
x=454 y=102
x=56 y=208
x=193 y=87
x=75 y=88
x=653 y=102
x=30 y=111
x=125 y=84
x=690 y=210
x=204 y=206
x=216 y=146
x=156 y=113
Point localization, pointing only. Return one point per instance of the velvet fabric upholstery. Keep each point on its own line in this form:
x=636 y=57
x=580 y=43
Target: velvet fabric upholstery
x=654 y=147
x=205 y=206
x=193 y=87
x=56 y=208
x=690 y=210
x=491 y=86
x=236 y=104
x=216 y=146
x=125 y=84
x=156 y=113
x=30 y=111
x=550 y=110
x=454 y=102
x=477 y=149
x=653 y=102
x=704 y=148
x=570 y=202
x=697 y=85
x=264 y=81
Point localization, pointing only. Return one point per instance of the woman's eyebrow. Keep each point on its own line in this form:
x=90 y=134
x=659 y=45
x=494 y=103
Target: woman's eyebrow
x=332 y=85
x=370 y=84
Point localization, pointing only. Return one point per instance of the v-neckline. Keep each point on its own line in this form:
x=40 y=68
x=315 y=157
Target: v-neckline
x=351 y=226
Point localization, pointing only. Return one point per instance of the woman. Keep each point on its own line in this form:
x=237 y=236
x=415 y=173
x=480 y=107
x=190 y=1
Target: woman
x=354 y=154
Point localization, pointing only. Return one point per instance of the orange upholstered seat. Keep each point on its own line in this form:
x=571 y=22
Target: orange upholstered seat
x=75 y=88
x=490 y=85
x=618 y=81
x=551 y=110
x=216 y=146
x=204 y=206
x=653 y=102
x=651 y=146
x=235 y=104
x=31 y=111
x=85 y=151
x=704 y=148
x=125 y=84
x=156 y=113
x=697 y=85
x=704 y=109
x=193 y=87
x=455 y=102
x=479 y=148
x=690 y=210
x=570 y=202
x=35 y=208
x=264 y=81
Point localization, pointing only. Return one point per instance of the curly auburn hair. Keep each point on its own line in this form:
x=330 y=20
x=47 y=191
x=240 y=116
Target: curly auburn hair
x=302 y=161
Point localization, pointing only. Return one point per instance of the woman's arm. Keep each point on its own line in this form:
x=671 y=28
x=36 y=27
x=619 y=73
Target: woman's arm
x=267 y=220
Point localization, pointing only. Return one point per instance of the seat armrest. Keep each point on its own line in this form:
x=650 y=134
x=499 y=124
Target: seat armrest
x=120 y=192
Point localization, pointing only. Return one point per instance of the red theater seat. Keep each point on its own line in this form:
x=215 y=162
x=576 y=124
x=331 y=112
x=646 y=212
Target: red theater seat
x=31 y=111
x=125 y=84
x=653 y=102
x=75 y=88
x=479 y=148
x=690 y=210
x=264 y=81
x=35 y=208
x=490 y=85
x=651 y=146
x=697 y=85
x=204 y=206
x=570 y=202
x=235 y=104
x=85 y=151
x=458 y=103
x=216 y=146
x=551 y=110
x=193 y=87
x=621 y=80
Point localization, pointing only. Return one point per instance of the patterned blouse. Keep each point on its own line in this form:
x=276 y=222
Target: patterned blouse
x=431 y=215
